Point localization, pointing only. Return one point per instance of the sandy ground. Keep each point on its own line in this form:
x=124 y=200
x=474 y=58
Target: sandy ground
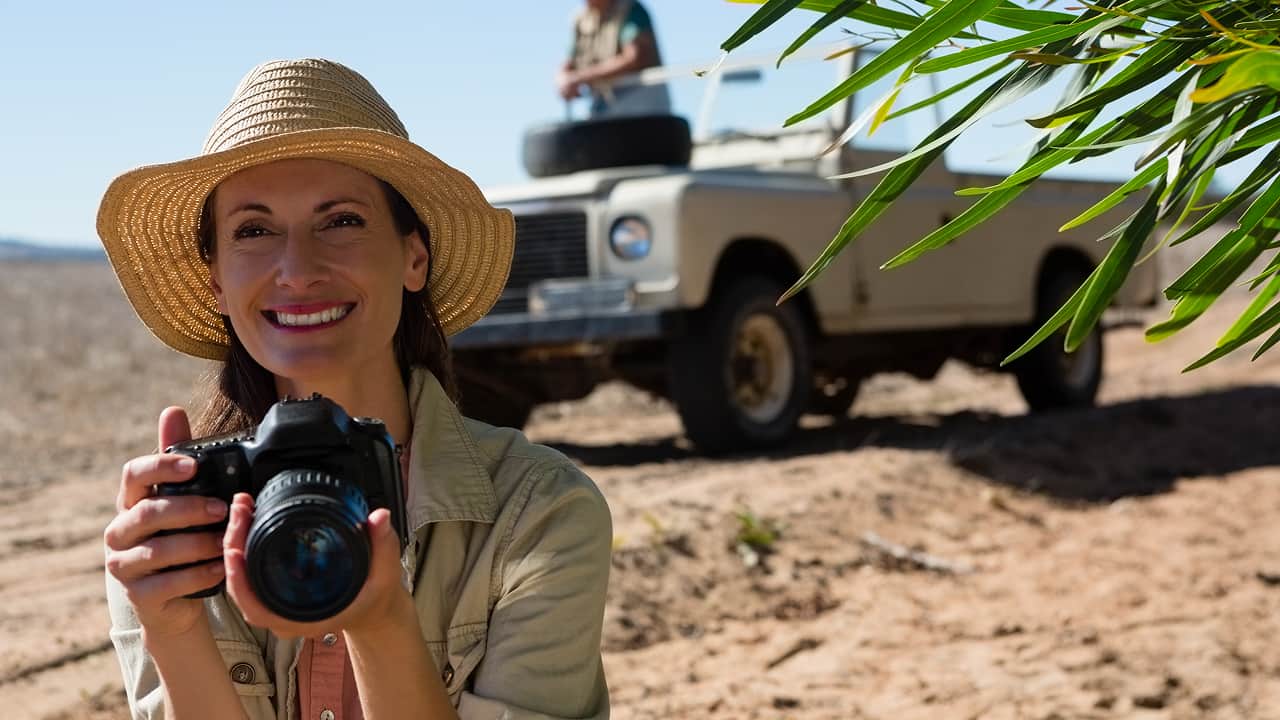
x=1117 y=562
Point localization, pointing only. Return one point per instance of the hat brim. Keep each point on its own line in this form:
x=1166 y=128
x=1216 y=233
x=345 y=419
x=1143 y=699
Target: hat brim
x=149 y=217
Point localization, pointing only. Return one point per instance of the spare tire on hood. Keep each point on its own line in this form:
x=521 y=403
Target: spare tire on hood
x=568 y=147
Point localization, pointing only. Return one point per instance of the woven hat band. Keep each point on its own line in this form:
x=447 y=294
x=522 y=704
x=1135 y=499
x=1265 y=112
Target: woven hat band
x=284 y=97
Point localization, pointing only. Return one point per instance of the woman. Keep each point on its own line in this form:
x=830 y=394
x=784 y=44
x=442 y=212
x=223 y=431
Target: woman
x=312 y=248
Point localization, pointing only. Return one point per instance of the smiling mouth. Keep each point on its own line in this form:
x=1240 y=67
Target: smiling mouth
x=322 y=318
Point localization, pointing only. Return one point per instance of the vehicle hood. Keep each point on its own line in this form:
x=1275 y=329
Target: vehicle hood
x=586 y=184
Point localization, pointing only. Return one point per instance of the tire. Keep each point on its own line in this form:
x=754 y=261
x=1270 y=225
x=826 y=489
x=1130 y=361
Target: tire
x=488 y=402
x=1049 y=377
x=834 y=398
x=742 y=375
x=568 y=147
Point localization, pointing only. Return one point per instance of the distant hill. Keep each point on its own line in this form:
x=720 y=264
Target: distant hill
x=19 y=250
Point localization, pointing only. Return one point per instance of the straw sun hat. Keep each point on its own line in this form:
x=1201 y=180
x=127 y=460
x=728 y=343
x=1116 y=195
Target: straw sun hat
x=295 y=109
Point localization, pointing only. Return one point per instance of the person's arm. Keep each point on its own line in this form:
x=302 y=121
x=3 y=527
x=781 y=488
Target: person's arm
x=193 y=675
x=640 y=53
x=395 y=674
x=168 y=655
x=542 y=651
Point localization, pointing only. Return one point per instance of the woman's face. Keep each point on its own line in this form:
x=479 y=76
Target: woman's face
x=310 y=268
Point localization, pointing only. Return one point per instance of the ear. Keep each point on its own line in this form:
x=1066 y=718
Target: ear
x=416 y=262
x=216 y=287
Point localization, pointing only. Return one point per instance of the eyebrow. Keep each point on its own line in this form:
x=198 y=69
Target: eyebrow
x=322 y=207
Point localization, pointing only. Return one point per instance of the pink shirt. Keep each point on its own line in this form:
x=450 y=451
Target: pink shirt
x=326 y=683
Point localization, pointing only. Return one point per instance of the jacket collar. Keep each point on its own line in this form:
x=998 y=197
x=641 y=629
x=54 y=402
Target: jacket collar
x=448 y=479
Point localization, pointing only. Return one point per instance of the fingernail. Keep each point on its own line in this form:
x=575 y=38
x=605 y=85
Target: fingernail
x=186 y=464
x=215 y=507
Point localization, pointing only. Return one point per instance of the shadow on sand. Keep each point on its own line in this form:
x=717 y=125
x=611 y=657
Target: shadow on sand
x=1140 y=447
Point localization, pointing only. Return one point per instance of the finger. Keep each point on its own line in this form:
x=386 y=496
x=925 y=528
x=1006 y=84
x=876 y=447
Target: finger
x=151 y=515
x=385 y=560
x=159 y=588
x=159 y=553
x=141 y=473
x=238 y=522
x=173 y=427
x=251 y=608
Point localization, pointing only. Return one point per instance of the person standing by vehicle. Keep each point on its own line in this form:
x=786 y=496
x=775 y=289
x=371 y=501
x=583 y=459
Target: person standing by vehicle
x=613 y=39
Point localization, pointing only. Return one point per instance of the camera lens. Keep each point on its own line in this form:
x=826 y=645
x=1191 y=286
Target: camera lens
x=307 y=554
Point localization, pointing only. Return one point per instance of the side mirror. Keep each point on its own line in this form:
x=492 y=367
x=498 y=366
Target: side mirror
x=749 y=75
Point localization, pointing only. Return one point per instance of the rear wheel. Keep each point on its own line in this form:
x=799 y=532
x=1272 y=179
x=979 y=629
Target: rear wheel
x=742 y=376
x=1048 y=376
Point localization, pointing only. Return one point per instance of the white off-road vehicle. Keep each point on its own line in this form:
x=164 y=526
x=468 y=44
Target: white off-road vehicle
x=652 y=254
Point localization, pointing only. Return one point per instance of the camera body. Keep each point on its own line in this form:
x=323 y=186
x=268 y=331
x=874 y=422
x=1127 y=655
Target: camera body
x=315 y=473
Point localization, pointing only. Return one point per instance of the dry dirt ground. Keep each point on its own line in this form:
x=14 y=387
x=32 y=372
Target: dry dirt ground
x=937 y=553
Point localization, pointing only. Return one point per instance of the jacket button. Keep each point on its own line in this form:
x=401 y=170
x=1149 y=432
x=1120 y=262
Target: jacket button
x=242 y=673
x=447 y=675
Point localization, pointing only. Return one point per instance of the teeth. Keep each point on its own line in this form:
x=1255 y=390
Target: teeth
x=319 y=318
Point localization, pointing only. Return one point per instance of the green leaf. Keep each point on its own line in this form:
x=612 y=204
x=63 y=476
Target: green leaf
x=1157 y=62
x=1258 y=68
x=1036 y=38
x=837 y=13
x=1201 y=285
x=1251 y=313
x=1106 y=280
x=770 y=13
x=951 y=90
x=893 y=184
x=1265 y=170
x=1259 y=324
x=1117 y=196
x=975 y=214
x=936 y=27
x=1051 y=326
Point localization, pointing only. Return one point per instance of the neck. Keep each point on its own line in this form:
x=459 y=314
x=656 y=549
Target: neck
x=380 y=395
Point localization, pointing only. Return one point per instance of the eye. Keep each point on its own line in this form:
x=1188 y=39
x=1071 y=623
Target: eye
x=249 y=230
x=346 y=220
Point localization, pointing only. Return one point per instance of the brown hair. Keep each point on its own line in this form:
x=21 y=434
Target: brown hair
x=238 y=394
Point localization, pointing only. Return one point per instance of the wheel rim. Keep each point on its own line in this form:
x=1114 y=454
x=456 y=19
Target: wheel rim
x=1077 y=368
x=761 y=369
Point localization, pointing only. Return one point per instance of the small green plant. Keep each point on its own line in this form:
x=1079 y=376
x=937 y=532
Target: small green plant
x=755 y=537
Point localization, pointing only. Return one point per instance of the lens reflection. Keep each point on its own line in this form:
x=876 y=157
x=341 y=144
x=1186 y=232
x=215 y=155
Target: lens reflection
x=307 y=566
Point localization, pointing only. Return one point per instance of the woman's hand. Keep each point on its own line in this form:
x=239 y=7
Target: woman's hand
x=138 y=559
x=381 y=602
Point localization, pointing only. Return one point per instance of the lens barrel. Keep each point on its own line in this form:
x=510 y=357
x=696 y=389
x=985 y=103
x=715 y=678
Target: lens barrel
x=308 y=553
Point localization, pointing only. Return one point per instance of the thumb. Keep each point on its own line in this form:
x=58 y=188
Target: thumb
x=383 y=538
x=174 y=427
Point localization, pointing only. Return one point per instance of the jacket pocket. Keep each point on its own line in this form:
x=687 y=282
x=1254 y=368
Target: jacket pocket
x=246 y=668
x=464 y=649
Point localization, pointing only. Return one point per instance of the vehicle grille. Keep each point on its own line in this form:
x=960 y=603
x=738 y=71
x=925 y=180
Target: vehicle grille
x=548 y=246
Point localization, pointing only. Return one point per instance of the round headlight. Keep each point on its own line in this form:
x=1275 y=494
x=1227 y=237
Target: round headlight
x=630 y=238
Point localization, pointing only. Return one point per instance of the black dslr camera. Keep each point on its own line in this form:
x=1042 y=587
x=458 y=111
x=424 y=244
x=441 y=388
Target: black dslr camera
x=315 y=474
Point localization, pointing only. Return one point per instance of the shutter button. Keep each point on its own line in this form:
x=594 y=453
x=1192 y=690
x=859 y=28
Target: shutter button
x=242 y=673
x=447 y=675
x=329 y=639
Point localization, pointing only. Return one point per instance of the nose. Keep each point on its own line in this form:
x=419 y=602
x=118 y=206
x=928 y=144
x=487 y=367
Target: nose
x=301 y=264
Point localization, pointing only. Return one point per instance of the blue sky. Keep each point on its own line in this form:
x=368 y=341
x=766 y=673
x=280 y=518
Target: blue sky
x=91 y=89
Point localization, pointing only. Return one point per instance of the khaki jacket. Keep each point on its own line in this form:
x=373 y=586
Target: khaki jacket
x=509 y=563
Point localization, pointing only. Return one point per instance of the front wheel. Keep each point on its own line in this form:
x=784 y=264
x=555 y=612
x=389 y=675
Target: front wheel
x=1049 y=376
x=742 y=375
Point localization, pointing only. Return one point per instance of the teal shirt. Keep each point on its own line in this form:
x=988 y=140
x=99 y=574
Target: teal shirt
x=637 y=22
